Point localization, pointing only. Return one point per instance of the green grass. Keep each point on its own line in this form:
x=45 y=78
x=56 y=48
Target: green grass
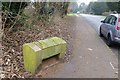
x=71 y=14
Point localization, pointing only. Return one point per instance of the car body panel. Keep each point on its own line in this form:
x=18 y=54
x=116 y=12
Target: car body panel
x=108 y=27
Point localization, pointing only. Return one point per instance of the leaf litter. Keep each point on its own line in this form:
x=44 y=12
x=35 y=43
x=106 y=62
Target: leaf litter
x=12 y=46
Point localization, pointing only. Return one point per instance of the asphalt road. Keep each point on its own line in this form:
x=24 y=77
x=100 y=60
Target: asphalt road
x=91 y=57
x=94 y=21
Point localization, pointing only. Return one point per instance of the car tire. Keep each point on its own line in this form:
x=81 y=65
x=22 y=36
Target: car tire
x=100 y=33
x=109 y=41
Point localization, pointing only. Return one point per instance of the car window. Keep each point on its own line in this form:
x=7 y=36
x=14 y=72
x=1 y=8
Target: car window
x=107 y=19
x=113 y=20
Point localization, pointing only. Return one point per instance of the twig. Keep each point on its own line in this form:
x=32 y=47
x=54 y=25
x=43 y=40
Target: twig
x=17 y=18
x=7 y=16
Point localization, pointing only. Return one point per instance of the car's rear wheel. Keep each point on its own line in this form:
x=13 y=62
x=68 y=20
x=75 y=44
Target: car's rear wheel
x=101 y=35
x=109 y=41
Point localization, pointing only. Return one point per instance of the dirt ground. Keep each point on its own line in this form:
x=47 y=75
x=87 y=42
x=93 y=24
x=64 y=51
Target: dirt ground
x=12 y=57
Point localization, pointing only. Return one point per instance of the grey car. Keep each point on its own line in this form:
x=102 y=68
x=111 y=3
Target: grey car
x=110 y=29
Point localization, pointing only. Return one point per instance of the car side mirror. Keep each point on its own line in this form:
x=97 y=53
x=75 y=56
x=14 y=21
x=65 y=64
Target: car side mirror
x=103 y=21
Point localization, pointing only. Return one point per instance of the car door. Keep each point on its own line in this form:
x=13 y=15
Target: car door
x=105 y=25
x=112 y=25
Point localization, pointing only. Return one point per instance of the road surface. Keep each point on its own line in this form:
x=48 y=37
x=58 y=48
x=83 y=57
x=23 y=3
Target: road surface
x=94 y=21
x=91 y=57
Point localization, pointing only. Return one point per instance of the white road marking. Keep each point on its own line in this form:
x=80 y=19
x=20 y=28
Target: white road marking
x=112 y=65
